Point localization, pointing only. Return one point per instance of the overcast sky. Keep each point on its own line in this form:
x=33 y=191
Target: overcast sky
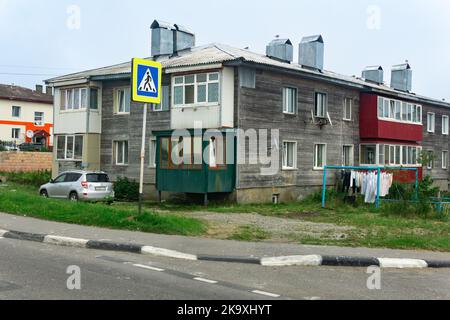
x=43 y=38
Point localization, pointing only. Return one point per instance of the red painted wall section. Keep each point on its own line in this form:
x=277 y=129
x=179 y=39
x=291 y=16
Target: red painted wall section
x=372 y=128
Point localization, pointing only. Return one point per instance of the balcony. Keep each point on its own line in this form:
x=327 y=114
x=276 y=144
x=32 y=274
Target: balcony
x=386 y=119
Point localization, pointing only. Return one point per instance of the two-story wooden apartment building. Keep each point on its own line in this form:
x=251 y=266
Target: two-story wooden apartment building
x=314 y=118
x=26 y=115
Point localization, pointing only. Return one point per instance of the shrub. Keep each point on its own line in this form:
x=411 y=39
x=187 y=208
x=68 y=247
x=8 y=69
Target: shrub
x=126 y=189
x=34 y=178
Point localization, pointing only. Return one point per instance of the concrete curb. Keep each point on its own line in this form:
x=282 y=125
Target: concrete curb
x=300 y=260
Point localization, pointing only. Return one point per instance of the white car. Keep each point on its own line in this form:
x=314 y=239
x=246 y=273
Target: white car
x=80 y=186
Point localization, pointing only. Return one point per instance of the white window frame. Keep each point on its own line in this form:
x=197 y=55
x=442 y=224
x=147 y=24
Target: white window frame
x=324 y=106
x=286 y=100
x=431 y=125
x=430 y=167
x=15 y=133
x=152 y=152
x=16 y=108
x=445 y=124
x=444 y=163
x=70 y=107
x=294 y=155
x=196 y=84
x=392 y=105
x=125 y=148
x=39 y=119
x=73 y=158
x=117 y=105
x=348 y=117
x=352 y=154
x=376 y=154
x=315 y=156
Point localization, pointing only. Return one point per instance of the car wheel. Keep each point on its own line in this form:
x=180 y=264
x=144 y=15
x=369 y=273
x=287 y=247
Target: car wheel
x=73 y=196
x=44 y=193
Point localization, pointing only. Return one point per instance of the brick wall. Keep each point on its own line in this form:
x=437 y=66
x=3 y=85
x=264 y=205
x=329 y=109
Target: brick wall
x=25 y=161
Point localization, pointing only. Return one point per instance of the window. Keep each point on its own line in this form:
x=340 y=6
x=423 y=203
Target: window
x=368 y=154
x=289 y=155
x=165 y=98
x=196 y=89
x=152 y=152
x=320 y=109
x=445 y=125
x=72 y=177
x=247 y=78
x=121 y=152
x=69 y=147
x=60 y=179
x=16 y=112
x=122 y=100
x=216 y=153
x=320 y=156
x=348 y=109
x=15 y=133
x=97 y=177
x=73 y=99
x=430 y=164
x=347 y=156
x=430 y=122
x=39 y=118
x=93 y=104
x=390 y=109
x=444 y=159
x=190 y=153
x=290 y=100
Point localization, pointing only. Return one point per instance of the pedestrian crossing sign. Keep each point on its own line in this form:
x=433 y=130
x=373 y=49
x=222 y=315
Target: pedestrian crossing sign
x=146 y=81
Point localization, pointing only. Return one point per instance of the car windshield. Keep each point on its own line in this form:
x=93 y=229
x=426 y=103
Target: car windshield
x=97 y=177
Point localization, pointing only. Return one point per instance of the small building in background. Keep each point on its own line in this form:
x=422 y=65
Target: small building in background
x=26 y=115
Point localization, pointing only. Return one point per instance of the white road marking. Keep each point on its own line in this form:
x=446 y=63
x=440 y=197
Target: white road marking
x=268 y=294
x=167 y=253
x=206 y=280
x=148 y=267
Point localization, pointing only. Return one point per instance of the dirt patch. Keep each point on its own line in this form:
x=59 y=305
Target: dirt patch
x=223 y=225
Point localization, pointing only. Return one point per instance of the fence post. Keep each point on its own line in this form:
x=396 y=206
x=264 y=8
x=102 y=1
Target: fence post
x=378 y=188
x=324 y=186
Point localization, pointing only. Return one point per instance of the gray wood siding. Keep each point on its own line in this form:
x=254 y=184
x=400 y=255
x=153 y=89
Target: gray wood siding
x=129 y=128
x=261 y=108
x=436 y=142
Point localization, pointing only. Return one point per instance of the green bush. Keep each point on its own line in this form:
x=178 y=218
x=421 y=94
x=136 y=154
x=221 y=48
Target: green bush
x=126 y=189
x=35 y=178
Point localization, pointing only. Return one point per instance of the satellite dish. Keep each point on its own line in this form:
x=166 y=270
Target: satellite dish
x=30 y=134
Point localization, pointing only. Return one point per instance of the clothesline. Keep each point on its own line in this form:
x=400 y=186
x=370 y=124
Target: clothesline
x=370 y=169
x=366 y=183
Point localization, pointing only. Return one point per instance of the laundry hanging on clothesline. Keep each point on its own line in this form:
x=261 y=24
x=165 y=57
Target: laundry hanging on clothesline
x=366 y=183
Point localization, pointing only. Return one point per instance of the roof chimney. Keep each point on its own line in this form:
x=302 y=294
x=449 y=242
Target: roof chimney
x=162 y=38
x=39 y=88
x=401 y=77
x=183 y=39
x=311 y=52
x=373 y=74
x=49 y=90
x=280 y=49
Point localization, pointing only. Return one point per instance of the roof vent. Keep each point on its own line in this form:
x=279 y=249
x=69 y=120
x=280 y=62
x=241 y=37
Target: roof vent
x=162 y=38
x=280 y=49
x=311 y=52
x=373 y=74
x=183 y=39
x=401 y=77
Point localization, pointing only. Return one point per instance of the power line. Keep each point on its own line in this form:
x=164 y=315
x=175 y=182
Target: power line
x=28 y=74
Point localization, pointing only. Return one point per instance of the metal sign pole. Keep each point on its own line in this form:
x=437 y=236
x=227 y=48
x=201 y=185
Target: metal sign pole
x=141 y=178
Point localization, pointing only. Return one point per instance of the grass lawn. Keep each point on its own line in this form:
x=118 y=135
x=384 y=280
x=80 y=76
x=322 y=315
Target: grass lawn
x=385 y=228
x=363 y=225
x=24 y=200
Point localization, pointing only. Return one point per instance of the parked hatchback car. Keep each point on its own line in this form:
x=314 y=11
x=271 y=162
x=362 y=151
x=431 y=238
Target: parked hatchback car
x=80 y=185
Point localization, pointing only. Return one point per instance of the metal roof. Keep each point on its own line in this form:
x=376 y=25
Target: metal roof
x=13 y=92
x=162 y=24
x=315 y=38
x=216 y=53
x=401 y=67
x=373 y=68
x=280 y=41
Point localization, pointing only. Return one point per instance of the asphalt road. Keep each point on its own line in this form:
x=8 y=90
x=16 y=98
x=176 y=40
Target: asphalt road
x=38 y=271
